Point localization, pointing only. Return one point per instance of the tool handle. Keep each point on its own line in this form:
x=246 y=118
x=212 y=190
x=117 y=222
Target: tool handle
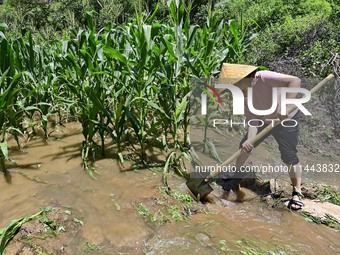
x=270 y=127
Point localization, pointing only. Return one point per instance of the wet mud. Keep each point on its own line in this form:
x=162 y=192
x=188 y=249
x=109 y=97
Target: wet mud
x=127 y=211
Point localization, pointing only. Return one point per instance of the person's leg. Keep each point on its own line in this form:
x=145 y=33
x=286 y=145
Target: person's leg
x=230 y=181
x=240 y=162
x=287 y=138
x=233 y=182
x=295 y=175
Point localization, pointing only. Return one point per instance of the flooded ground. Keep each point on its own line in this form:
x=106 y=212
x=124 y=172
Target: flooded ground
x=111 y=209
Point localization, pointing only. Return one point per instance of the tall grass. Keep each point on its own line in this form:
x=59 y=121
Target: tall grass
x=127 y=85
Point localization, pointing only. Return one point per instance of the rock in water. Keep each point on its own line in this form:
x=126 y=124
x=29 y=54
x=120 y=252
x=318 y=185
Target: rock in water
x=321 y=209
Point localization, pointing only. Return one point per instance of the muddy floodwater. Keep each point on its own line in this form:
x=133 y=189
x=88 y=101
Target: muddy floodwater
x=107 y=207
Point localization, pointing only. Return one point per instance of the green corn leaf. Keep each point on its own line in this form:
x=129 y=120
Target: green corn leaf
x=135 y=123
x=5 y=97
x=97 y=102
x=113 y=53
x=89 y=19
x=121 y=158
x=204 y=68
x=173 y=5
x=16 y=79
x=3 y=77
x=5 y=48
x=181 y=12
x=155 y=106
x=168 y=162
x=151 y=19
x=169 y=47
x=223 y=56
x=182 y=105
x=31 y=52
x=210 y=148
x=155 y=29
x=192 y=33
x=3 y=27
x=4 y=149
x=7 y=234
x=209 y=48
x=233 y=28
x=88 y=59
x=64 y=46
x=147 y=36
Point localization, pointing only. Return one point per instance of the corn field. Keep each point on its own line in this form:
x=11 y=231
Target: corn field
x=127 y=85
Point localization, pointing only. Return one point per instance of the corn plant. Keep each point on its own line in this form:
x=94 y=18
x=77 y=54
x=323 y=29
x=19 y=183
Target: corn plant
x=86 y=81
x=9 y=117
x=8 y=93
x=38 y=64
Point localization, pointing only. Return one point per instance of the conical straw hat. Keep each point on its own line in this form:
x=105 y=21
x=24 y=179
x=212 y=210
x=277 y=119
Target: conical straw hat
x=232 y=73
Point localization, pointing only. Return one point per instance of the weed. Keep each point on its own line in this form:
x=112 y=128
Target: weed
x=329 y=195
x=118 y=207
x=92 y=247
x=114 y=198
x=52 y=228
x=175 y=213
x=252 y=247
x=185 y=198
x=37 y=249
x=328 y=220
x=223 y=246
x=165 y=213
x=33 y=178
x=145 y=212
x=80 y=222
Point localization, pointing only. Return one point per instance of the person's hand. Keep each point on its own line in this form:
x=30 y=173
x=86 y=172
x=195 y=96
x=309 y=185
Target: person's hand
x=247 y=146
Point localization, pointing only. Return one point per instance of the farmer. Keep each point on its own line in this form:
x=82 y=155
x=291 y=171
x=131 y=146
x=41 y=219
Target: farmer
x=262 y=82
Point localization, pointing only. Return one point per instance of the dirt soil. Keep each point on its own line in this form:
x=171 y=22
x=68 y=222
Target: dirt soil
x=50 y=234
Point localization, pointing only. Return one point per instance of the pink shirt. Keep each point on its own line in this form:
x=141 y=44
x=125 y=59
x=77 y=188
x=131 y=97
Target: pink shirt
x=262 y=86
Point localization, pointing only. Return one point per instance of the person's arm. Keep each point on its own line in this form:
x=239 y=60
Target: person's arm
x=291 y=82
x=247 y=146
x=282 y=80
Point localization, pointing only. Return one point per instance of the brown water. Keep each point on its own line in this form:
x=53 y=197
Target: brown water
x=111 y=221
